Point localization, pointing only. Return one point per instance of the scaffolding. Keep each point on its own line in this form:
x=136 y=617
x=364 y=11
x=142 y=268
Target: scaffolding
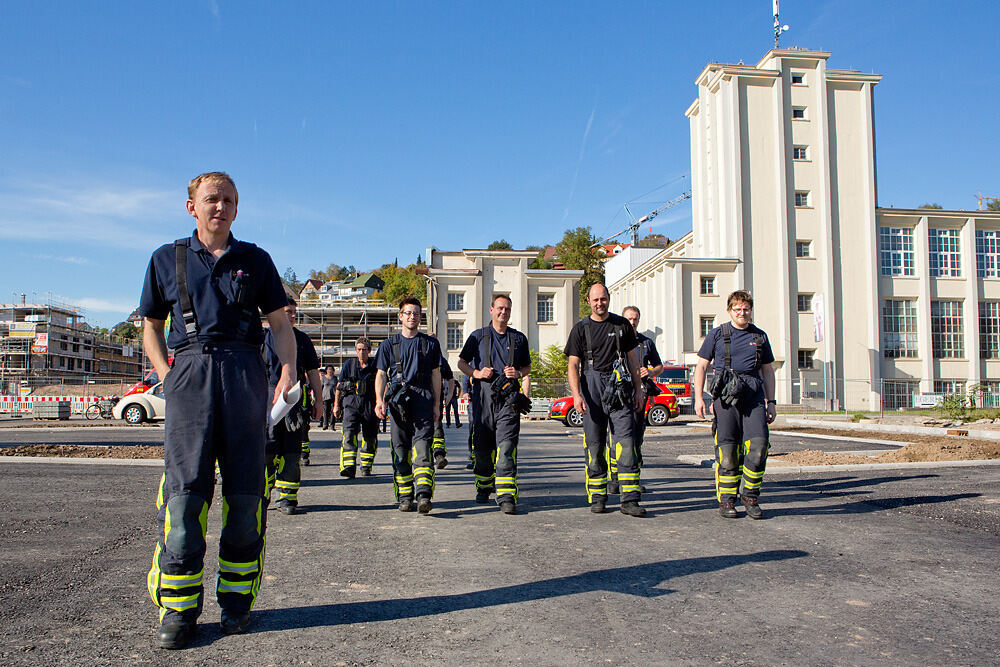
x=333 y=328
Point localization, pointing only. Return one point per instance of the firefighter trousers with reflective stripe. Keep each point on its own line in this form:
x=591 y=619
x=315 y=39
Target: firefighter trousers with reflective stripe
x=360 y=443
x=607 y=434
x=284 y=447
x=437 y=443
x=741 y=446
x=412 y=460
x=638 y=433
x=216 y=405
x=497 y=431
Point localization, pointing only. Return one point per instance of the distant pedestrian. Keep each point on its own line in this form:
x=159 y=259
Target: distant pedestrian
x=329 y=380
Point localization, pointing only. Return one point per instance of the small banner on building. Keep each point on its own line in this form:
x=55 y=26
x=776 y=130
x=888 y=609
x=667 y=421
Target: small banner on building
x=22 y=329
x=818 y=324
x=41 y=344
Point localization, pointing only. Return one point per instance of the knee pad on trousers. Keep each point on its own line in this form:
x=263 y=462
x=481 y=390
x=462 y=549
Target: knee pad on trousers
x=756 y=452
x=241 y=521
x=728 y=458
x=186 y=520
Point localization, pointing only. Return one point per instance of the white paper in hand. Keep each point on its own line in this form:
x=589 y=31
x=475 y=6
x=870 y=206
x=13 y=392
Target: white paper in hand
x=284 y=405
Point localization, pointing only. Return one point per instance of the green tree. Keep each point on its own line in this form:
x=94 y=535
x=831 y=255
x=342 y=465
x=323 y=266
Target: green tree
x=331 y=272
x=292 y=279
x=125 y=330
x=401 y=283
x=653 y=241
x=993 y=204
x=935 y=206
x=500 y=245
x=576 y=252
x=539 y=262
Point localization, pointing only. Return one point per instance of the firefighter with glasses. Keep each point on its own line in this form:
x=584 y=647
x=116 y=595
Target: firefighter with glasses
x=743 y=404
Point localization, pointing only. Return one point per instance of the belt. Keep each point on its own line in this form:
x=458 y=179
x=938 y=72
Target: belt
x=212 y=348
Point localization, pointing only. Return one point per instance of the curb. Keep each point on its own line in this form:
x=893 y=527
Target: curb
x=893 y=428
x=83 y=461
x=821 y=436
x=777 y=469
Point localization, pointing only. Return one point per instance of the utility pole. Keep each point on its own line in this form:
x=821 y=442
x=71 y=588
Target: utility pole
x=778 y=28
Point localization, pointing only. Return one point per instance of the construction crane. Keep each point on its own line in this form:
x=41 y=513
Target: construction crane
x=980 y=196
x=634 y=226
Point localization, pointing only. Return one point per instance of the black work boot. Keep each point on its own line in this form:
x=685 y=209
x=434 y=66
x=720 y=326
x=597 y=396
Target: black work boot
x=631 y=507
x=305 y=459
x=175 y=631
x=483 y=495
x=752 y=507
x=440 y=461
x=597 y=506
x=508 y=507
x=287 y=507
x=366 y=471
x=727 y=509
x=406 y=505
x=235 y=623
x=348 y=472
x=424 y=504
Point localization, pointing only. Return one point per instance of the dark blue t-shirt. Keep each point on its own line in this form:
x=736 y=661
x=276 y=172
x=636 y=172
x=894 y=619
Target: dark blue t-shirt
x=212 y=285
x=305 y=358
x=742 y=349
x=507 y=349
x=420 y=356
x=646 y=349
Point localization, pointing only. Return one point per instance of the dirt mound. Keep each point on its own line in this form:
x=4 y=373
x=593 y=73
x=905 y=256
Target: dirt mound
x=87 y=451
x=81 y=390
x=932 y=449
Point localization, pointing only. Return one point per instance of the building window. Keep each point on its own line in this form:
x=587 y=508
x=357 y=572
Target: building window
x=805 y=303
x=798 y=113
x=707 y=285
x=546 y=308
x=988 y=253
x=800 y=153
x=454 y=341
x=949 y=387
x=705 y=324
x=803 y=248
x=798 y=79
x=895 y=251
x=456 y=301
x=801 y=198
x=806 y=358
x=945 y=252
x=898 y=394
x=989 y=329
x=947 y=339
x=899 y=328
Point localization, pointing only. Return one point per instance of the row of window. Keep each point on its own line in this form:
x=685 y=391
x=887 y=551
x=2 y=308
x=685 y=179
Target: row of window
x=900 y=393
x=944 y=247
x=899 y=329
x=544 y=305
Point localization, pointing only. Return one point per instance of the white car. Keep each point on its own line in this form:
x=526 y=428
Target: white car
x=137 y=408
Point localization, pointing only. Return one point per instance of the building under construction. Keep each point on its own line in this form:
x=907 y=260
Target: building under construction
x=334 y=327
x=52 y=344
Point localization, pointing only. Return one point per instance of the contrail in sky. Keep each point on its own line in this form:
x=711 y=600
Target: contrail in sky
x=579 y=161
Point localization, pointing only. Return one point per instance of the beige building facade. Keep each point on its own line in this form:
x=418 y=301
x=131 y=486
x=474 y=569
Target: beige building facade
x=461 y=285
x=854 y=298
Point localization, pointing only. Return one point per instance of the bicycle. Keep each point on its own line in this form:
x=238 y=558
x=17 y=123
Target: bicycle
x=102 y=408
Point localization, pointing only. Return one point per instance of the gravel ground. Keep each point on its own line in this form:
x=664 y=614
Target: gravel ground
x=865 y=569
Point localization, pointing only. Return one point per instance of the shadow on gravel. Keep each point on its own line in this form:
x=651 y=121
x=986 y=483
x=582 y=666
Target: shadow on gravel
x=845 y=482
x=864 y=506
x=641 y=580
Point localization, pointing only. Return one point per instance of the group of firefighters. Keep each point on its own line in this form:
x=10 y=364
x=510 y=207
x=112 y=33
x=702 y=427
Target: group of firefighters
x=215 y=289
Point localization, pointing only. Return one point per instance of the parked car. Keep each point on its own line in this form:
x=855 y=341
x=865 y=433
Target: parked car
x=659 y=409
x=150 y=379
x=146 y=406
x=678 y=380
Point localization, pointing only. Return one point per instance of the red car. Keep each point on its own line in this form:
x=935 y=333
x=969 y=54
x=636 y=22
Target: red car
x=151 y=379
x=659 y=409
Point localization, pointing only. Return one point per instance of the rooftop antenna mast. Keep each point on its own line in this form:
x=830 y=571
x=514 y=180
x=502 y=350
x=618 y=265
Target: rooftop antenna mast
x=778 y=28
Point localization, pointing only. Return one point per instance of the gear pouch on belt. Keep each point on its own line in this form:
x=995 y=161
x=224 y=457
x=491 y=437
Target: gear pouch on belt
x=397 y=396
x=651 y=388
x=618 y=391
x=296 y=419
x=503 y=388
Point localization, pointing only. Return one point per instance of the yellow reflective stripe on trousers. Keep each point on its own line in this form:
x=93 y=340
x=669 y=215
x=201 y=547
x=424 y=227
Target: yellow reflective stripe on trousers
x=180 y=603
x=227 y=586
x=180 y=580
x=238 y=568
x=159 y=491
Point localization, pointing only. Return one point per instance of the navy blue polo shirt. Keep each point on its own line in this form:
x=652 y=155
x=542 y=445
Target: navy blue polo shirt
x=646 y=349
x=742 y=349
x=212 y=285
x=506 y=349
x=420 y=356
x=305 y=358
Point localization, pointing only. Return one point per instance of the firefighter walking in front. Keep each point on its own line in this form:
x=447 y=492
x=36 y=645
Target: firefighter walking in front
x=214 y=288
x=743 y=404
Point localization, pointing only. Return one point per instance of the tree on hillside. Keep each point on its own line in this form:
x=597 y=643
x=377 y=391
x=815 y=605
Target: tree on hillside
x=500 y=245
x=539 y=262
x=126 y=331
x=575 y=251
x=935 y=206
x=332 y=272
x=993 y=204
x=291 y=279
x=400 y=283
x=653 y=241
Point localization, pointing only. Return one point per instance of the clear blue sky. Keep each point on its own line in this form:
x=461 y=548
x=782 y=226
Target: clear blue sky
x=365 y=131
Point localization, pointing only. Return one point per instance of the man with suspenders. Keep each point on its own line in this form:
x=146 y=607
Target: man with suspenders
x=355 y=398
x=214 y=288
x=496 y=357
x=603 y=374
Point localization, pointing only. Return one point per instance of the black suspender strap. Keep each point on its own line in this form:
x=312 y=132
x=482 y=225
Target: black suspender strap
x=183 y=297
x=590 y=344
x=398 y=356
x=727 y=339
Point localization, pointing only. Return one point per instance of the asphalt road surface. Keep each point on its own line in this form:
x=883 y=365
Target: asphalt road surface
x=862 y=568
